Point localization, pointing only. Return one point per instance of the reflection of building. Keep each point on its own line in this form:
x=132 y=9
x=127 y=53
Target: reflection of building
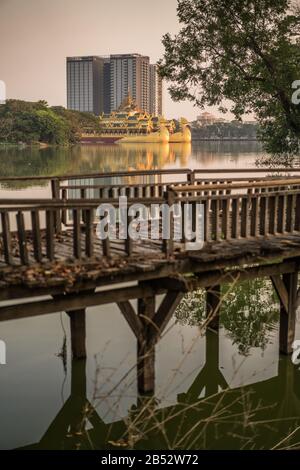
x=129 y=72
x=85 y=85
x=155 y=91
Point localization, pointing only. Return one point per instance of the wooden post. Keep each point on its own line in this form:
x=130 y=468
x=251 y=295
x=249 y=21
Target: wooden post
x=128 y=239
x=168 y=243
x=225 y=217
x=22 y=238
x=55 y=188
x=50 y=234
x=78 y=333
x=106 y=241
x=288 y=316
x=146 y=347
x=191 y=177
x=213 y=306
x=89 y=233
x=36 y=235
x=6 y=235
x=235 y=220
x=76 y=234
x=56 y=195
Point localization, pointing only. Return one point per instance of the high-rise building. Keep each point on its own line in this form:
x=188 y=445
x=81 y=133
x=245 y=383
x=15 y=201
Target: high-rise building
x=85 y=84
x=99 y=84
x=106 y=86
x=129 y=73
x=155 y=91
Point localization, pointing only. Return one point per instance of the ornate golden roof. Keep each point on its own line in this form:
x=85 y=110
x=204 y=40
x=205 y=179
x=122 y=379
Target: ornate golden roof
x=128 y=104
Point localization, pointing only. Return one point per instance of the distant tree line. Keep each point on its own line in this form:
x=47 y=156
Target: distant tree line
x=36 y=122
x=225 y=130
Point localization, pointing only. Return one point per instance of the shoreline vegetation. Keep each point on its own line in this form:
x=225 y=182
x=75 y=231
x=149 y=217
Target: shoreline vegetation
x=22 y=144
x=225 y=131
x=24 y=123
x=224 y=139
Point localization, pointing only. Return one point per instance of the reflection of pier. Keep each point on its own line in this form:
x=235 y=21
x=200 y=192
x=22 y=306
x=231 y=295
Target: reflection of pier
x=251 y=228
x=210 y=380
x=79 y=426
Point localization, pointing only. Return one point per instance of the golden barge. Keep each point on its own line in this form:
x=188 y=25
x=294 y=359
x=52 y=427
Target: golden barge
x=128 y=124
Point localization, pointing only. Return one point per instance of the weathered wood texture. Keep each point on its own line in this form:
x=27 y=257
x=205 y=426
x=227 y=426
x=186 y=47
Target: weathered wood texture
x=226 y=216
x=146 y=347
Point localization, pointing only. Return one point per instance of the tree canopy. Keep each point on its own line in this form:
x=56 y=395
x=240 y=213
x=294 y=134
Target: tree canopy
x=31 y=122
x=242 y=52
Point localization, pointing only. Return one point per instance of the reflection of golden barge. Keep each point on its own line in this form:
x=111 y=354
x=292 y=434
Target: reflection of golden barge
x=128 y=124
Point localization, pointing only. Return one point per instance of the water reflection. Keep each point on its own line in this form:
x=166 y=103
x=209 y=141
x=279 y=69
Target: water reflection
x=263 y=415
x=211 y=412
x=33 y=161
x=249 y=313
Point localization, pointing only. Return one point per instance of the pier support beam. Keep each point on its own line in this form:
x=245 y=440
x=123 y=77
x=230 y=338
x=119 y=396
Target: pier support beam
x=78 y=333
x=213 y=303
x=146 y=347
x=148 y=325
x=288 y=316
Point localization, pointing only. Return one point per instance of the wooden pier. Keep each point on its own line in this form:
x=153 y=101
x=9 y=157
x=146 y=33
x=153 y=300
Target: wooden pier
x=51 y=256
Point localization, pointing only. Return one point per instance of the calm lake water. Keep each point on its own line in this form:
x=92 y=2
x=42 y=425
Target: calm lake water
x=233 y=391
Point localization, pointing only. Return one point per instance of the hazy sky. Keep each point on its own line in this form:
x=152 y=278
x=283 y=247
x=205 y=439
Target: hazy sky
x=37 y=35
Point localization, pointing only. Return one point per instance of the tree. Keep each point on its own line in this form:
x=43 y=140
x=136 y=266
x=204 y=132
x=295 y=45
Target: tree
x=53 y=129
x=244 y=51
x=32 y=122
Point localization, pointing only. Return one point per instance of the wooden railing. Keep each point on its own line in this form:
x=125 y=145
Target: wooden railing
x=251 y=215
x=76 y=187
x=245 y=210
x=35 y=231
x=29 y=233
x=186 y=173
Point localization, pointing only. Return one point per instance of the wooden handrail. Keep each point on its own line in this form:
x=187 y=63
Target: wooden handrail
x=98 y=175
x=185 y=171
x=160 y=184
x=245 y=170
x=231 y=186
x=69 y=203
x=221 y=197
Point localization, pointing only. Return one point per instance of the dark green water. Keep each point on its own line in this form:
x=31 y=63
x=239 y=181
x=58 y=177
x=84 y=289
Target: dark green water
x=214 y=392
